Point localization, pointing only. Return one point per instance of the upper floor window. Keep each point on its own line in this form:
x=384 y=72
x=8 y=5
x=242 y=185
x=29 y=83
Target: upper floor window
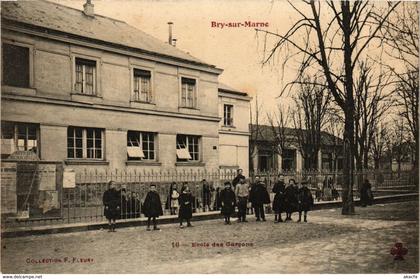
x=187 y=148
x=85 y=81
x=16 y=70
x=140 y=146
x=142 y=91
x=19 y=137
x=228 y=115
x=188 y=93
x=85 y=143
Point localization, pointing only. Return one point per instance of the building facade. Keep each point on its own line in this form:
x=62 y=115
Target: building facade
x=234 y=108
x=94 y=92
x=265 y=155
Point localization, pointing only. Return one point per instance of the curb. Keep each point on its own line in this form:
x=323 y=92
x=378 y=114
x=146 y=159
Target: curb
x=69 y=228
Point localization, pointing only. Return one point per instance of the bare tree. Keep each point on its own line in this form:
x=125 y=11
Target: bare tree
x=255 y=132
x=401 y=34
x=380 y=142
x=400 y=147
x=371 y=103
x=332 y=46
x=312 y=103
x=278 y=123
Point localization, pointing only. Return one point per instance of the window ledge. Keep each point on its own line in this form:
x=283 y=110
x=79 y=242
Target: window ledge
x=189 y=108
x=142 y=163
x=228 y=126
x=142 y=102
x=97 y=95
x=85 y=162
x=18 y=90
x=192 y=164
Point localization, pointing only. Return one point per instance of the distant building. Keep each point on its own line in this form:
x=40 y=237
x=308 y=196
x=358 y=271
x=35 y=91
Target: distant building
x=266 y=158
x=234 y=108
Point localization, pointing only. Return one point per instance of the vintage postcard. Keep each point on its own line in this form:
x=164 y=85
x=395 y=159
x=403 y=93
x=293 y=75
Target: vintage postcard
x=209 y=137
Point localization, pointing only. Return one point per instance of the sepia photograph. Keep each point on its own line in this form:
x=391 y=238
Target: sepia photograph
x=266 y=137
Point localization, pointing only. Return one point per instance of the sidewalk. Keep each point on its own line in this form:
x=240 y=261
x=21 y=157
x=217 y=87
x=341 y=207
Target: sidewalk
x=167 y=219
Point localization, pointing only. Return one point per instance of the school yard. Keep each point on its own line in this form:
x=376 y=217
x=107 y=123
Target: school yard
x=328 y=243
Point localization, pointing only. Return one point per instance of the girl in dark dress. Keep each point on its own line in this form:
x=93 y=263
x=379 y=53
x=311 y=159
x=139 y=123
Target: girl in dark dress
x=111 y=201
x=152 y=207
x=305 y=201
x=278 y=201
x=290 y=199
x=185 y=206
x=228 y=199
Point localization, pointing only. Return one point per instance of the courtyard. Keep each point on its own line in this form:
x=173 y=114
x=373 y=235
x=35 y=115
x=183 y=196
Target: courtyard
x=328 y=243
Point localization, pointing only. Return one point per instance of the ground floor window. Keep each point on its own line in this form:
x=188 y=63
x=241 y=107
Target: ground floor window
x=187 y=148
x=289 y=159
x=16 y=136
x=85 y=143
x=140 y=145
x=327 y=162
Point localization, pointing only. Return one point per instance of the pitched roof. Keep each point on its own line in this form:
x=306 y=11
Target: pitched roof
x=226 y=88
x=266 y=133
x=65 y=19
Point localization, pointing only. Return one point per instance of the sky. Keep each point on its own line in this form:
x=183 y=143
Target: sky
x=238 y=51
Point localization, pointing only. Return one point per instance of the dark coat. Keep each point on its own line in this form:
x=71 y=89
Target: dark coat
x=278 y=201
x=111 y=201
x=306 y=201
x=366 y=195
x=228 y=199
x=185 y=205
x=258 y=194
x=291 y=199
x=152 y=206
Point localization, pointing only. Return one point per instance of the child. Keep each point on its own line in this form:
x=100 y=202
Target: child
x=174 y=199
x=227 y=198
x=305 y=201
x=152 y=207
x=111 y=201
x=185 y=206
x=242 y=193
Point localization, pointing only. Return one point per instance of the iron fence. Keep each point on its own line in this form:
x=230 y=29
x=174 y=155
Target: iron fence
x=84 y=202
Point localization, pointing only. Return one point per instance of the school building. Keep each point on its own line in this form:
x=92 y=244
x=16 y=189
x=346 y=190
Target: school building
x=94 y=92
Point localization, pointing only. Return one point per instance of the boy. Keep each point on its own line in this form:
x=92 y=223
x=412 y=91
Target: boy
x=152 y=207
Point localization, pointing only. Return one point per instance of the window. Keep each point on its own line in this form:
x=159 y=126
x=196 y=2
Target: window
x=228 y=115
x=84 y=143
x=85 y=76
x=142 y=91
x=326 y=161
x=289 y=159
x=140 y=146
x=19 y=137
x=187 y=148
x=188 y=93
x=15 y=65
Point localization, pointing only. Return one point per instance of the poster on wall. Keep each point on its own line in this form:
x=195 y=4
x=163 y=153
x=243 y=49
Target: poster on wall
x=47 y=177
x=69 y=178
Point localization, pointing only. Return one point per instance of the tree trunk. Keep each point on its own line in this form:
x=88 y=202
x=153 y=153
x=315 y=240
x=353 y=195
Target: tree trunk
x=348 y=171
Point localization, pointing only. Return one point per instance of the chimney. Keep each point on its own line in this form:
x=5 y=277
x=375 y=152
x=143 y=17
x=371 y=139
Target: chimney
x=170 y=32
x=88 y=8
x=174 y=42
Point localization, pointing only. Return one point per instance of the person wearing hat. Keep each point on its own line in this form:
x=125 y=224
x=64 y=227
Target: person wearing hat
x=242 y=193
x=111 y=201
x=238 y=178
x=152 y=207
x=305 y=201
x=185 y=206
x=278 y=201
x=258 y=197
x=206 y=195
x=227 y=198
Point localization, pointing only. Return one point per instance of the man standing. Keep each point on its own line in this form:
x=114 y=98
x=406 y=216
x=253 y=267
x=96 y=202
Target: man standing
x=258 y=197
x=238 y=178
x=278 y=201
x=242 y=193
x=206 y=195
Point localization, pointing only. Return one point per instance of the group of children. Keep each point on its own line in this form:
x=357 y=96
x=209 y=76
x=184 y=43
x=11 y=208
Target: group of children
x=238 y=193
